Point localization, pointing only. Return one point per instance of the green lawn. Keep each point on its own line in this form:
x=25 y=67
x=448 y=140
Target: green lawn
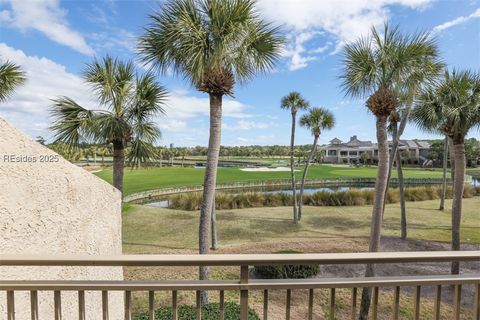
x=152 y=230
x=155 y=178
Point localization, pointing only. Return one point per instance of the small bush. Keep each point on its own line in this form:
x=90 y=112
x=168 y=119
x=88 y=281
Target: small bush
x=469 y=191
x=209 y=312
x=287 y=271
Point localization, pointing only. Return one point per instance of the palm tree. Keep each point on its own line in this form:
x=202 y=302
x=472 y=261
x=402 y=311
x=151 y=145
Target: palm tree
x=423 y=71
x=317 y=120
x=127 y=103
x=453 y=107
x=11 y=76
x=213 y=44
x=444 y=174
x=379 y=67
x=293 y=102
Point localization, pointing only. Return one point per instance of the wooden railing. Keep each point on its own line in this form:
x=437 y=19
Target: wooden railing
x=244 y=284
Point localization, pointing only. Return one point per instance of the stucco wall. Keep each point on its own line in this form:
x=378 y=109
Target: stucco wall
x=54 y=207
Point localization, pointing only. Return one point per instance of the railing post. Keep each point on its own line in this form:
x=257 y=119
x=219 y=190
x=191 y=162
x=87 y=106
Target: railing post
x=81 y=305
x=57 y=304
x=10 y=305
x=476 y=303
x=34 y=304
x=244 y=293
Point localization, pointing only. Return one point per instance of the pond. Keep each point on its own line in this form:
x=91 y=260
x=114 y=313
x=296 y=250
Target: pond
x=476 y=181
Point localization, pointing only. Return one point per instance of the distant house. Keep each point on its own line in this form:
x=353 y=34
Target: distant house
x=412 y=151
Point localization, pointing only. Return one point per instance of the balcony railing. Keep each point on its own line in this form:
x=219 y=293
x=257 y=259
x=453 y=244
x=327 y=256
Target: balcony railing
x=244 y=285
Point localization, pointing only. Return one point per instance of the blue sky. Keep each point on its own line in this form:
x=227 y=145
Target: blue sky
x=52 y=40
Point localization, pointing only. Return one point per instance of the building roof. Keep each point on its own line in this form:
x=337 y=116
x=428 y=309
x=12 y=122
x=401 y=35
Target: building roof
x=354 y=142
x=415 y=144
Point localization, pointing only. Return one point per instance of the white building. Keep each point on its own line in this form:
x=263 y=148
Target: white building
x=412 y=151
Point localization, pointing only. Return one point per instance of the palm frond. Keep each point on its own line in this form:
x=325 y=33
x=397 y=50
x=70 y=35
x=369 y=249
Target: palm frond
x=391 y=61
x=210 y=42
x=149 y=99
x=317 y=120
x=451 y=107
x=294 y=101
x=112 y=81
x=11 y=76
x=72 y=124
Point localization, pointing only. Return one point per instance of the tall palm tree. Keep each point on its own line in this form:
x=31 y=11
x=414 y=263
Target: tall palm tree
x=214 y=44
x=423 y=72
x=11 y=76
x=316 y=120
x=444 y=174
x=379 y=67
x=294 y=102
x=453 y=107
x=127 y=103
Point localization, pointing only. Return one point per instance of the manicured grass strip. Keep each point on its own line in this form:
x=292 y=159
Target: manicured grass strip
x=156 y=178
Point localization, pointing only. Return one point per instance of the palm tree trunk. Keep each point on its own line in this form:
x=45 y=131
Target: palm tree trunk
x=401 y=191
x=292 y=169
x=118 y=164
x=452 y=158
x=444 y=178
x=381 y=185
x=396 y=133
x=103 y=160
x=459 y=152
x=209 y=182
x=305 y=170
x=214 y=227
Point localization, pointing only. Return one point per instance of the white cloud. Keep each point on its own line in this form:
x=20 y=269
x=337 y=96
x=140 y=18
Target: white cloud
x=343 y=20
x=47 y=17
x=114 y=39
x=258 y=140
x=172 y=125
x=456 y=21
x=182 y=105
x=296 y=51
x=28 y=109
x=245 y=125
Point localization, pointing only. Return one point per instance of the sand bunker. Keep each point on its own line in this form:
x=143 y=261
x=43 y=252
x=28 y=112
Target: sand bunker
x=265 y=169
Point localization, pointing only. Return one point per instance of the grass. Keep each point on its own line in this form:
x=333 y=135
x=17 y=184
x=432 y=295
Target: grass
x=475 y=172
x=155 y=178
x=145 y=228
x=148 y=230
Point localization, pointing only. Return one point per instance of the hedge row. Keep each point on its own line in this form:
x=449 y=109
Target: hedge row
x=353 y=197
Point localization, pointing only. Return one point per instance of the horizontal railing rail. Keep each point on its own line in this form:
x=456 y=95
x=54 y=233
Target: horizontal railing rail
x=244 y=284
x=238 y=259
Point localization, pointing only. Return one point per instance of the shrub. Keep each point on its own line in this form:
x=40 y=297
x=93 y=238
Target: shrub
x=469 y=191
x=209 y=312
x=353 y=197
x=287 y=271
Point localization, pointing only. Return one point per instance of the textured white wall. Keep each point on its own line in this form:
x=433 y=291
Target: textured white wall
x=54 y=207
